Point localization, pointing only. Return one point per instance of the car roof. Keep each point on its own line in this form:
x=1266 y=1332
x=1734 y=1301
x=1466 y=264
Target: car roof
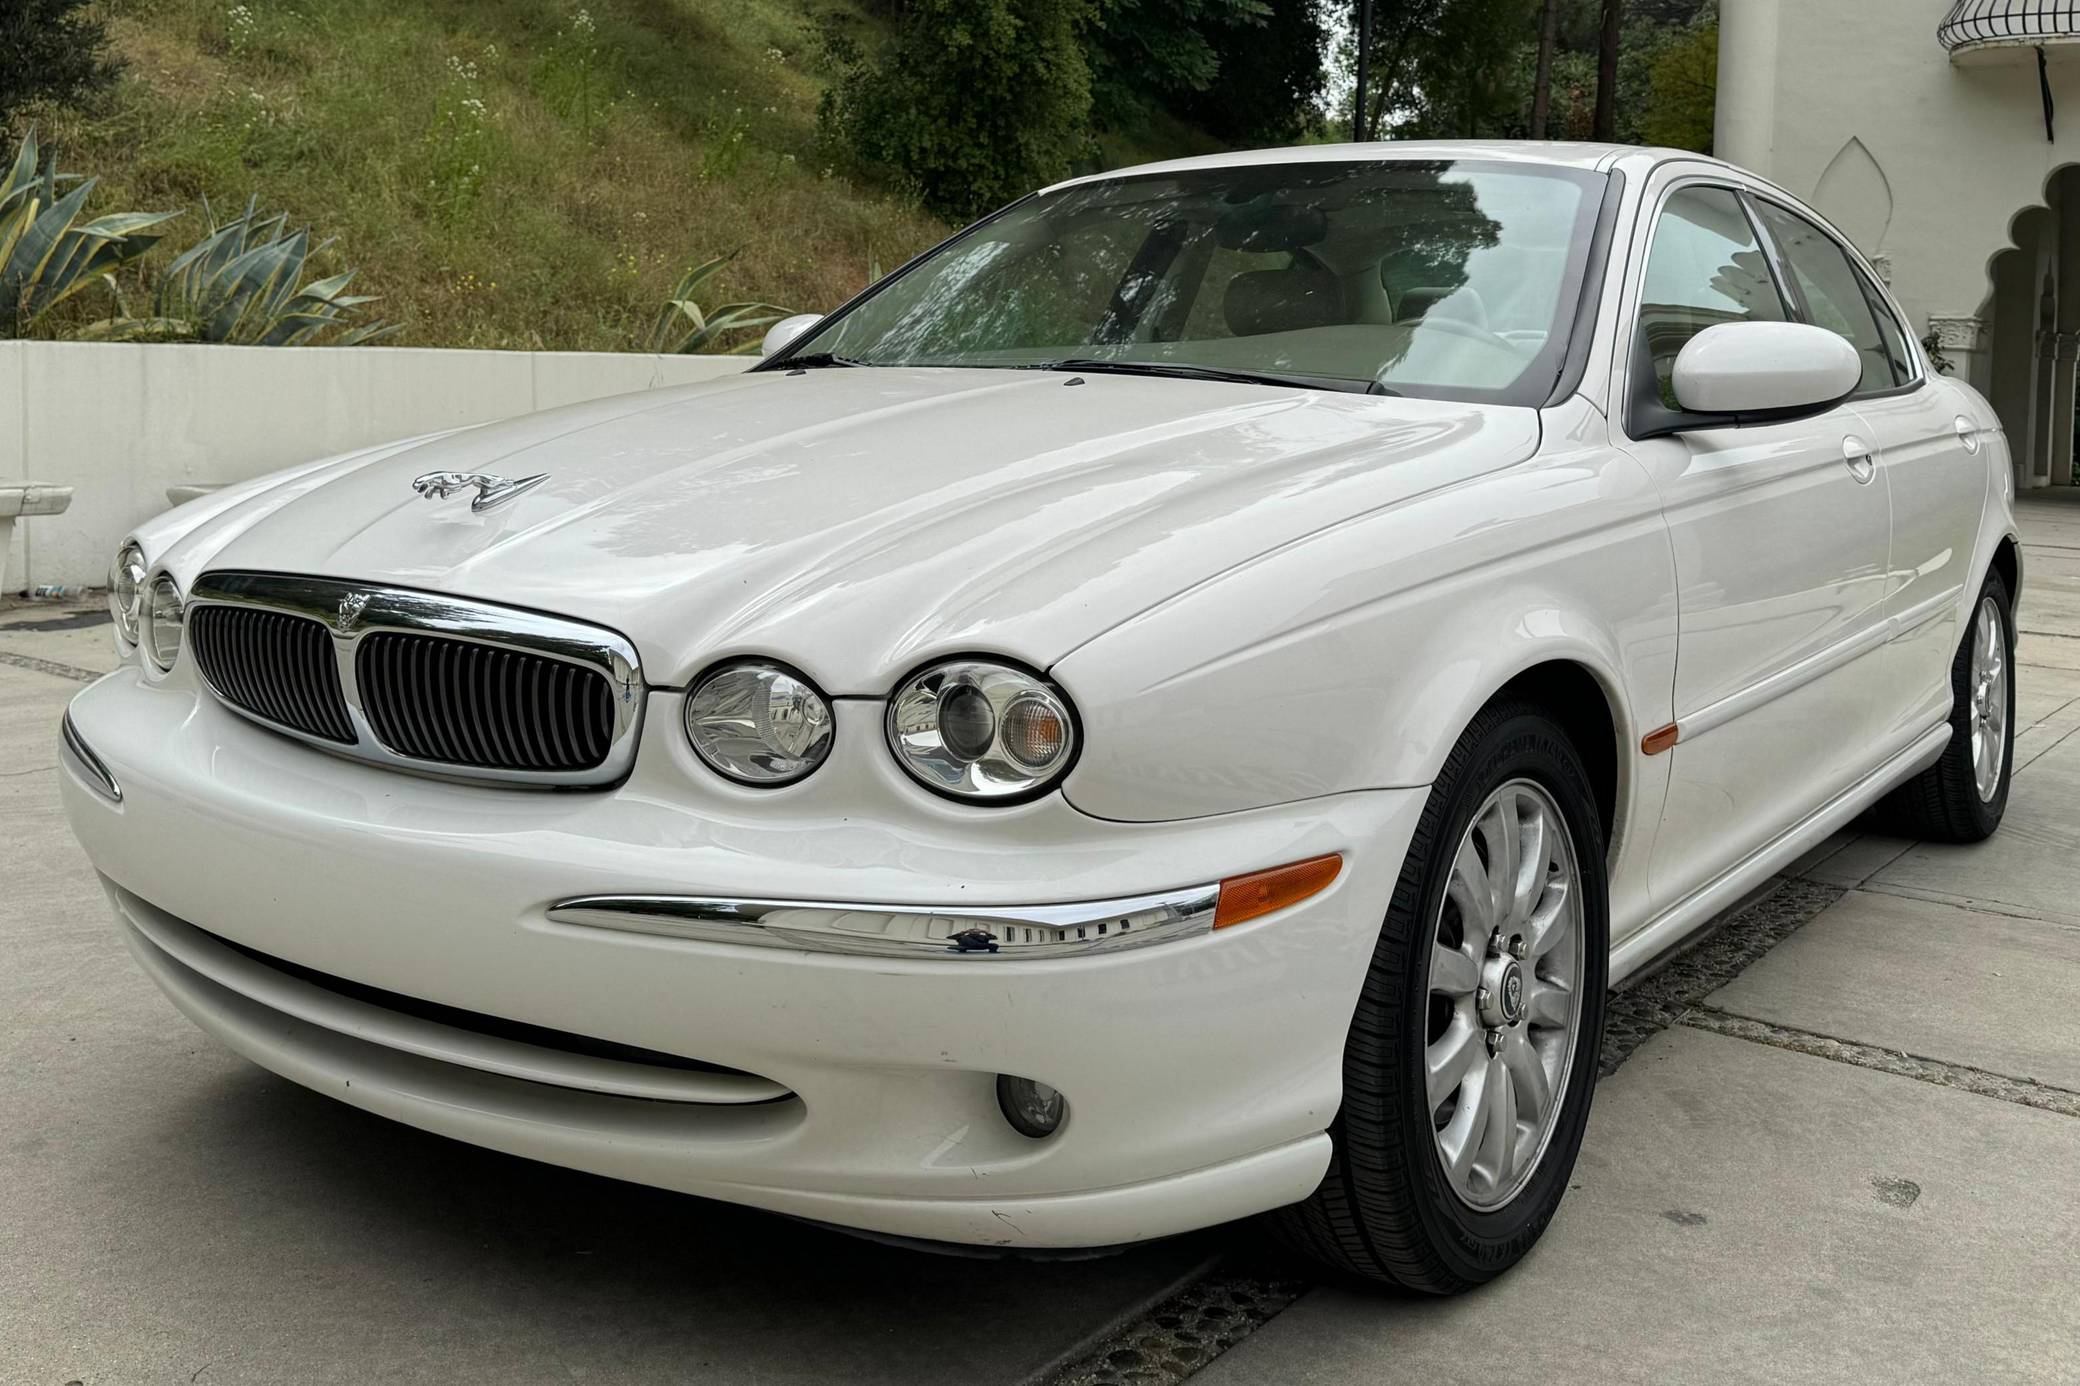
x=1554 y=153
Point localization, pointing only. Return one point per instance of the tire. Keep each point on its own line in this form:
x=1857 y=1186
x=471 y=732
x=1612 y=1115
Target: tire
x=1948 y=802
x=1389 y=1210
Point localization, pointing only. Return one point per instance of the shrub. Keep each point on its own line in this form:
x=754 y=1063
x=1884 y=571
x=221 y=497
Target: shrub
x=974 y=101
x=51 y=50
x=45 y=255
x=683 y=327
x=240 y=285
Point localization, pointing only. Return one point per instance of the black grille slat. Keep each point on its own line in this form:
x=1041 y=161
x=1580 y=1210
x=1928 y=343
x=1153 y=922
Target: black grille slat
x=273 y=665
x=457 y=702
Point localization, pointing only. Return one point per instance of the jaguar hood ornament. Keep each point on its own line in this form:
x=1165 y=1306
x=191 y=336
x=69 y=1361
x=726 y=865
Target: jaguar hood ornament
x=491 y=490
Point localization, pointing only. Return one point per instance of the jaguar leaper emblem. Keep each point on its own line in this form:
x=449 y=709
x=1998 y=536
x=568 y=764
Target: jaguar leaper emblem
x=350 y=608
x=491 y=490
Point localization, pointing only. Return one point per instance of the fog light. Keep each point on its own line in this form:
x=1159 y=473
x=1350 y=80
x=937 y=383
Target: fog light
x=1033 y=1109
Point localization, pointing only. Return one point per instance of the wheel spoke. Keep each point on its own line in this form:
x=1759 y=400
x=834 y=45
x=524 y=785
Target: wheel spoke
x=1501 y=830
x=1456 y=1054
x=1460 y=1141
x=1498 y=1143
x=1528 y=1075
x=1547 y=1004
x=1469 y=889
x=1531 y=868
x=1550 y=924
x=1453 y=971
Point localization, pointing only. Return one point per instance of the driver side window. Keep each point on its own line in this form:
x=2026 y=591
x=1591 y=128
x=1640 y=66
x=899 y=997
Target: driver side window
x=1704 y=268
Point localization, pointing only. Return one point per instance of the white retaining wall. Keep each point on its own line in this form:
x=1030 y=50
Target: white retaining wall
x=121 y=423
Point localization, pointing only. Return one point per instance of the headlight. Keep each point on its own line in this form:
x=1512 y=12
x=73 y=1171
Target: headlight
x=126 y=592
x=980 y=730
x=758 y=723
x=162 y=623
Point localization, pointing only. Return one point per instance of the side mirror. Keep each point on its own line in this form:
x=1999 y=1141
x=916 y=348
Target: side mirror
x=783 y=332
x=1765 y=368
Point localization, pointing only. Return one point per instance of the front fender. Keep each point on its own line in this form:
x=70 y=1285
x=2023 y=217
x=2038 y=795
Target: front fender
x=1354 y=659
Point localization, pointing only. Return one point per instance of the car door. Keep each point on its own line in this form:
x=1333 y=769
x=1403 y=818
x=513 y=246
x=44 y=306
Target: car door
x=1937 y=488
x=1780 y=533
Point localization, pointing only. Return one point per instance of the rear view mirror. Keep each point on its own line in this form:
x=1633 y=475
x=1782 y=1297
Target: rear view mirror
x=782 y=333
x=1765 y=368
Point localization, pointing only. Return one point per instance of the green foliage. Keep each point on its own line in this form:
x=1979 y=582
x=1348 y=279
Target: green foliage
x=1268 y=81
x=51 y=50
x=242 y=285
x=1146 y=51
x=458 y=153
x=974 y=102
x=684 y=328
x=574 y=74
x=1683 y=86
x=46 y=254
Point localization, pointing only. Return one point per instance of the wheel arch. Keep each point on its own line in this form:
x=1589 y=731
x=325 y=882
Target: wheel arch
x=1587 y=709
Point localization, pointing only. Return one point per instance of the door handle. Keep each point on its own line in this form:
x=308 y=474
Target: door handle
x=1857 y=454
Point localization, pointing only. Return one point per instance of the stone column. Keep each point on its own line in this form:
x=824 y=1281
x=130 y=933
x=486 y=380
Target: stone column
x=2059 y=464
x=1965 y=343
x=1745 y=125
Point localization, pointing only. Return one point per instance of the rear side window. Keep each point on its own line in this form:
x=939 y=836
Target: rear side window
x=1834 y=294
x=1704 y=268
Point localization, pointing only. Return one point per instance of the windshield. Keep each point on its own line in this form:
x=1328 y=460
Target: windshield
x=1449 y=280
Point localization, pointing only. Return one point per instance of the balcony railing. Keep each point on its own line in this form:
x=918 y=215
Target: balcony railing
x=2009 y=24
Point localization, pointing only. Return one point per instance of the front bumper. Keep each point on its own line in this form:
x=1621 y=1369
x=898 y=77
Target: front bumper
x=1200 y=1072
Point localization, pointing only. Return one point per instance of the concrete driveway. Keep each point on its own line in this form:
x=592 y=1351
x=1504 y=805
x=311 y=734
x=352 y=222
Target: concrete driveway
x=1839 y=1142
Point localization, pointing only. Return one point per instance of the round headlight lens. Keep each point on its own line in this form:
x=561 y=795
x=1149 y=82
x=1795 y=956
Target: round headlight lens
x=758 y=723
x=126 y=592
x=981 y=730
x=162 y=623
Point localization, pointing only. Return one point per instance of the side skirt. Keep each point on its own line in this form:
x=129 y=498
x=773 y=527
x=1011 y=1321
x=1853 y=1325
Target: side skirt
x=1673 y=927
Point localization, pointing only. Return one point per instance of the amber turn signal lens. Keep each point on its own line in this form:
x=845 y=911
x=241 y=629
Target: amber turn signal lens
x=1261 y=892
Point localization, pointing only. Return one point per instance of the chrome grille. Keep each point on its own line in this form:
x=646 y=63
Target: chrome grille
x=418 y=681
x=445 y=700
x=274 y=666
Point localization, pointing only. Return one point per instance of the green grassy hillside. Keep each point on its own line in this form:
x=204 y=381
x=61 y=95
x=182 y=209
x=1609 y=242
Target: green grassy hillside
x=505 y=173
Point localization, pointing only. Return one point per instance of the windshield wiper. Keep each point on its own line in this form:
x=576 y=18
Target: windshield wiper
x=1182 y=371
x=816 y=360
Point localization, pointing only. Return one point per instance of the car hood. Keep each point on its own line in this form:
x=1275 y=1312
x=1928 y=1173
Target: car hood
x=855 y=522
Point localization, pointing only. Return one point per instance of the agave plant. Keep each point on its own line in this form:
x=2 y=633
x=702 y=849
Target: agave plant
x=45 y=257
x=240 y=285
x=684 y=327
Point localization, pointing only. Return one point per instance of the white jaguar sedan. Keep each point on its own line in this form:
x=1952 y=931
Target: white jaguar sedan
x=1176 y=705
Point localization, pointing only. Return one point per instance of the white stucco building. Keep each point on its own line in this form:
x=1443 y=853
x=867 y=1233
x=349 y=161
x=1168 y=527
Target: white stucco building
x=1943 y=136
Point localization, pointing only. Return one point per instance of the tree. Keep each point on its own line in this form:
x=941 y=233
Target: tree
x=1607 y=69
x=1683 y=86
x=1542 y=84
x=1145 y=52
x=50 y=50
x=1268 y=79
x=974 y=101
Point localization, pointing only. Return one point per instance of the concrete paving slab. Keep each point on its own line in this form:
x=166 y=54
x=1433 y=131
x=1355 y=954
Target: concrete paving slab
x=169 y=1212
x=2042 y=693
x=30 y=706
x=1745 y=1214
x=2031 y=865
x=1928 y=979
x=1848 y=858
x=2049 y=651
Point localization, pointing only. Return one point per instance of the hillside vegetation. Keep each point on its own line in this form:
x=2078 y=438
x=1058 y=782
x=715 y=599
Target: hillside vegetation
x=505 y=173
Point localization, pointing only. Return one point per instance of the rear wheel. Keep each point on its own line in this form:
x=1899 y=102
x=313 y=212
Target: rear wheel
x=1470 y=1063
x=1963 y=796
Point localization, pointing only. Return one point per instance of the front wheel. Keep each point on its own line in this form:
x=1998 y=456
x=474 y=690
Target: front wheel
x=1473 y=1055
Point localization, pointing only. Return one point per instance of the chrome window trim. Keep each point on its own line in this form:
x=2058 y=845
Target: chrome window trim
x=87 y=764
x=332 y=603
x=923 y=932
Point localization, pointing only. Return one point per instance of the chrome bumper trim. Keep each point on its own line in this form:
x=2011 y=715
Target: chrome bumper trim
x=907 y=931
x=350 y=611
x=87 y=763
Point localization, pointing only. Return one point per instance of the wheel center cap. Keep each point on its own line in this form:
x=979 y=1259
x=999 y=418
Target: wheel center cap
x=1502 y=992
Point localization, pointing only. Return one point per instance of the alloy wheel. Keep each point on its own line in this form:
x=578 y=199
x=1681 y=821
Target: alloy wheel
x=1504 y=1003
x=1989 y=692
